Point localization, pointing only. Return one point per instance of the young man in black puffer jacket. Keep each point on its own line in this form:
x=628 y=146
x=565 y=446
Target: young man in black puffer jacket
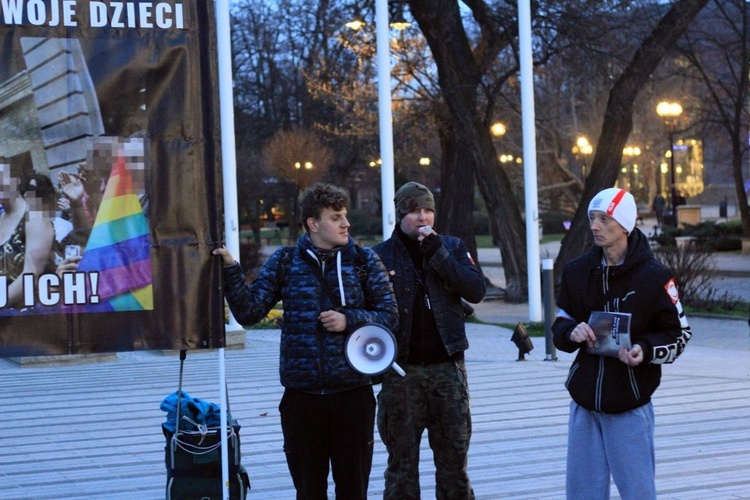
x=328 y=408
x=611 y=426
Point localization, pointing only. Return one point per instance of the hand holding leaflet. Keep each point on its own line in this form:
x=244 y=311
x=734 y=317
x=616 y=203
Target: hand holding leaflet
x=612 y=330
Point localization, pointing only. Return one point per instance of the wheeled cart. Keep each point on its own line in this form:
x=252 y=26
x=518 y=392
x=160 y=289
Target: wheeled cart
x=193 y=454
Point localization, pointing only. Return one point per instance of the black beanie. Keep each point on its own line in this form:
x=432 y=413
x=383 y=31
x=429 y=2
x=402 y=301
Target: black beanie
x=412 y=196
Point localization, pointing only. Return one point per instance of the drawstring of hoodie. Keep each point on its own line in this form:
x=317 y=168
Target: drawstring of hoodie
x=339 y=278
x=315 y=256
x=605 y=276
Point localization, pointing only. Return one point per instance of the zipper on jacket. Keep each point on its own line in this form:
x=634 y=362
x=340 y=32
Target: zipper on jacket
x=633 y=383
x=321 y=335
x=573 y=370
x=599 y=387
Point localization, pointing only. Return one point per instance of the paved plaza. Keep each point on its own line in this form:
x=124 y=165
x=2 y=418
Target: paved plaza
x=92 y=431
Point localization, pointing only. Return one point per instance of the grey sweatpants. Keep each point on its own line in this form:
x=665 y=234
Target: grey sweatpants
x=620 y=444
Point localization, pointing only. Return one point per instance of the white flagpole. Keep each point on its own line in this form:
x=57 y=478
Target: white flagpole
x=229 y=170
x=388 y=190
x=529 y=162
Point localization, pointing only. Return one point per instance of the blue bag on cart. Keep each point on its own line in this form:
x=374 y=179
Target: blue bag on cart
x=193 y=449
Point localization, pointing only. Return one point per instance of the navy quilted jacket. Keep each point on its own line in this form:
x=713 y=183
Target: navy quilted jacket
x=313 y=359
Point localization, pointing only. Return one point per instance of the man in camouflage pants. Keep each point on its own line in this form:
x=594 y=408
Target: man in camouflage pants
x=430 y=276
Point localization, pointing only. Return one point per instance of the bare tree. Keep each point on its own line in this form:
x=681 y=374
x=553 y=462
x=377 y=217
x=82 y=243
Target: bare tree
x=459 y=74
x=298 y=65
x=618 y=119
x=475 y=56
x=719 y=51
x=477 y=75
x=301 y=158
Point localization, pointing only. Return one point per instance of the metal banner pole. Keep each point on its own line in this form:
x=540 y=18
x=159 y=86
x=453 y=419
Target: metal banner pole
x=548 y=279
x=229 y=169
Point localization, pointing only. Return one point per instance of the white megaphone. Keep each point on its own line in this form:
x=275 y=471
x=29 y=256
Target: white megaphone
x=371 y=350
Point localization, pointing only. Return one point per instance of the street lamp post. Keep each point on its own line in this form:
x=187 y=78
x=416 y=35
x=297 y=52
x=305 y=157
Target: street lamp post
x=302 y=172
x=630 y=152
x=661 y=178
x=582 y=149
x=302 y=176
x=670 y=112
x=385 y=115
x=498 y=129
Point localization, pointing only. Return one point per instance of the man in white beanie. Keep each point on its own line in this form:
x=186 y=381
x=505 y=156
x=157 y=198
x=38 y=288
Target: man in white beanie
x=611 y=424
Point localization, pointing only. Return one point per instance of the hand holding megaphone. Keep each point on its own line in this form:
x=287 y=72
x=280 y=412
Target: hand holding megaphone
x=371 y=350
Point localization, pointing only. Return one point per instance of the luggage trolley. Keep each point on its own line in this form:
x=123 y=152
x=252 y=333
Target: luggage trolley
x=193 y=457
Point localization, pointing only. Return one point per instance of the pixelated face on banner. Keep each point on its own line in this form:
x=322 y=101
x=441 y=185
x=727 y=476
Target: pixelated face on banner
x=82 y=243
x=109 y=164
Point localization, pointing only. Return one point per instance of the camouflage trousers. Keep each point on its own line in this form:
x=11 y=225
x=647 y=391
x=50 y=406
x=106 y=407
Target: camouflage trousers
x=435 y=398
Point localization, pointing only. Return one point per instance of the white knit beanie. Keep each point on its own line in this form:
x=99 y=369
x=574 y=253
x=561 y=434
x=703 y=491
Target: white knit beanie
x=618 y=204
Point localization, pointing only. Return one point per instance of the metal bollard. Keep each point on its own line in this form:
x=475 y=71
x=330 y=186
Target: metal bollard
x=548 y=293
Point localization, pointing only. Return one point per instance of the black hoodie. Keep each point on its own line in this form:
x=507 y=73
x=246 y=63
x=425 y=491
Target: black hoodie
x=641 y=286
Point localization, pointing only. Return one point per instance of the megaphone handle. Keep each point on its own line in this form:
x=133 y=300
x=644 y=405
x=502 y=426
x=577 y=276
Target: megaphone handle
x=398 y=369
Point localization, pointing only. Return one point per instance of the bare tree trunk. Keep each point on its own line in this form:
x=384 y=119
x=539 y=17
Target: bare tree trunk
x=294 y=224
x=739 y=185
x=456 y=200
x=618 y=121
x=730 y=95
x=459 y=78
x=506 y=219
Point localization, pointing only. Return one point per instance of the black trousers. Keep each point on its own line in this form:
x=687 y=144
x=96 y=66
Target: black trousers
x=335 y=429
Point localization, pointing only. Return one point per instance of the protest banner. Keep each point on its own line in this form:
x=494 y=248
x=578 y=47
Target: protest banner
x=110 y=162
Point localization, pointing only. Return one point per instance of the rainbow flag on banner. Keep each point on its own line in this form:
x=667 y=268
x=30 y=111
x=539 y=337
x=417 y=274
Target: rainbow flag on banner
x=118 y=253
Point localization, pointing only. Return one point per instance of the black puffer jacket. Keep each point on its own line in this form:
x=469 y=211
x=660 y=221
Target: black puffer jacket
x=641 y=286
x=450 y=275
x=313 y=359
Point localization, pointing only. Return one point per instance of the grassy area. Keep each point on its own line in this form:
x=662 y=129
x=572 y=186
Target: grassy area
x=368 y=240
x=533 y=329
x=483 y=240
x=272 y=320
x=281 y=236
x=537 y=329
x=740 y=311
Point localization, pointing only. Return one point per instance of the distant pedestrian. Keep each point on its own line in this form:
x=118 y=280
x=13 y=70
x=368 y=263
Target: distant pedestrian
x=611 y=424
x=679 y=199
x=658 y=207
